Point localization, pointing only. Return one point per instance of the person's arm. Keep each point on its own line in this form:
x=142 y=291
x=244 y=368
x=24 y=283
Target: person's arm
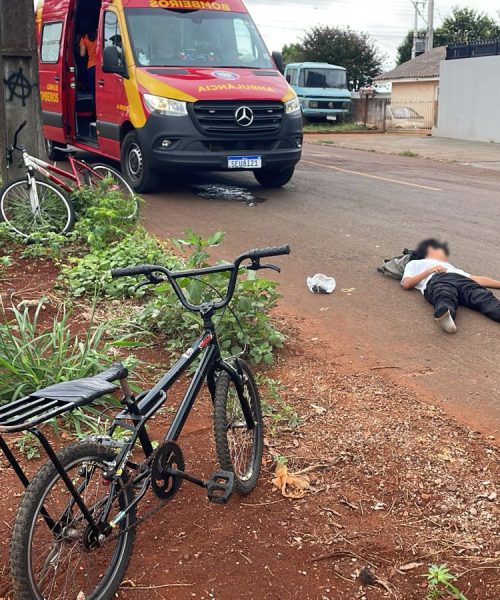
x=486 y=282
x=83 y=48
x=410 y=282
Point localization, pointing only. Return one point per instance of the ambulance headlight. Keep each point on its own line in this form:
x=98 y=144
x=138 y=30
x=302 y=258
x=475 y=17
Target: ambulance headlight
x=292 y=107
x=165 y=106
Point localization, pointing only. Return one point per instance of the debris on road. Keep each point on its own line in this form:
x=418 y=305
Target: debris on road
x=290 y=485
x=321 y=284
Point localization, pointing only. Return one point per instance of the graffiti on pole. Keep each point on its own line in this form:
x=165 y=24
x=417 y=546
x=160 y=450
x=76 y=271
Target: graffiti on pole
x=18 y=86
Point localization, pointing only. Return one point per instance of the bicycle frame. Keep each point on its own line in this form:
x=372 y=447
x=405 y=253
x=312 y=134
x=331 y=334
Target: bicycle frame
x=137 y=413
x=51 y=171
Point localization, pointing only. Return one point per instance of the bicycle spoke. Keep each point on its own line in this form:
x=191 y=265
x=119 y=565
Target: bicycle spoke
x=62 y=566
x=49 y=213
x=240 y=438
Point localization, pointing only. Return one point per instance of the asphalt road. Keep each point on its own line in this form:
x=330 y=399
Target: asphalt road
x=344 y=211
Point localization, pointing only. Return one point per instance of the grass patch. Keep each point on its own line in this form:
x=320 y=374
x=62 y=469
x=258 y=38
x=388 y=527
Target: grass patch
x=409 y=154
x=333 y=128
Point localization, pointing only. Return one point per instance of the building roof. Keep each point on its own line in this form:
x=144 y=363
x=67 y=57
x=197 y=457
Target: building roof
x=425 y=66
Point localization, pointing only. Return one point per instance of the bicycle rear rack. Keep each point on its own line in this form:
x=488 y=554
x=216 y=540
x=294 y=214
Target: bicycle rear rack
x=29 y=412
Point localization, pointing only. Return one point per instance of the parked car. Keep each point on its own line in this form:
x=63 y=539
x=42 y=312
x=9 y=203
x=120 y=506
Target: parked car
x=404 y=117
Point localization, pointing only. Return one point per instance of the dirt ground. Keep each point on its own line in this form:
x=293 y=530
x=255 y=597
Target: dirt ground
x=395 y=485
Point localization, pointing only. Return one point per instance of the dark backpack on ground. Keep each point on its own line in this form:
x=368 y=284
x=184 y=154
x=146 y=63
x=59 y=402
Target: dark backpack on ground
x=395 y=267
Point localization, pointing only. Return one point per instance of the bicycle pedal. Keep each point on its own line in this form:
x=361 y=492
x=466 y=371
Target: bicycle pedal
x=220 y=487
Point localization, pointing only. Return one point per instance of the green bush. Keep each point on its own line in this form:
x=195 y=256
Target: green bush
x=252 y=303
x=5 y=261
x=92 y=273
x=8 y=238
x=33 y=356
x=102 y=215
x=46 y=245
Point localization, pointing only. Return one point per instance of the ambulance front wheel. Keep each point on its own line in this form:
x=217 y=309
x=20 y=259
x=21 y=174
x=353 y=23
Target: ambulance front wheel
x=136 y=166
x=274 y=178
x=53 y=150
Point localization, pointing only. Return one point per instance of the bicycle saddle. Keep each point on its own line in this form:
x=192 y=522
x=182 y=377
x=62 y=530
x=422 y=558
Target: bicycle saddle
x=83 y=391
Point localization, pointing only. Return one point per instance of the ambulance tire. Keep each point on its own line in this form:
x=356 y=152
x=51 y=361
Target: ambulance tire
x=52 y=151
x=274 y=178
x=136 y=167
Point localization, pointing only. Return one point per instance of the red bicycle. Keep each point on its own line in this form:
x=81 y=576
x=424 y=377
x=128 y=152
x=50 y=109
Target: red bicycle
x=31 y=205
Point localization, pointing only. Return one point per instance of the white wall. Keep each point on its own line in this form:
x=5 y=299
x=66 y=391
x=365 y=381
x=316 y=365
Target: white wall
x=469 y=106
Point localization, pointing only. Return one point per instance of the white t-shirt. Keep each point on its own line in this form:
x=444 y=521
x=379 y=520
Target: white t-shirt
x=415 y=267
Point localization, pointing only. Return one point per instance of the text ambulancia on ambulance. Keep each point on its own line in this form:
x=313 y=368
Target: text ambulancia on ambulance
x=166 y=85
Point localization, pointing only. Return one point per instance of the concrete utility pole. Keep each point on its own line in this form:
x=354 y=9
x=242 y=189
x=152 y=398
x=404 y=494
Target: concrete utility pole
x=415 y=32
x=430 y=27
x=19 y=88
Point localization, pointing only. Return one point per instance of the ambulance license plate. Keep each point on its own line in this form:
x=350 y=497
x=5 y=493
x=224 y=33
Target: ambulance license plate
x=244 y=162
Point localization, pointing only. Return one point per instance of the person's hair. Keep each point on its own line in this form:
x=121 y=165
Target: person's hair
x=423 y=248
x=88 y=29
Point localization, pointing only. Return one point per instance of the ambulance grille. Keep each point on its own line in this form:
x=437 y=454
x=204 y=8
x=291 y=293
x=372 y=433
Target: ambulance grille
x=219 y=117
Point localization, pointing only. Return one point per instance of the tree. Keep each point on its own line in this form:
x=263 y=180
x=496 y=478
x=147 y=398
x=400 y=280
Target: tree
x=406 y=47
x=463 y=25
x=466 y=25
x=346 y=48
x=293 y=53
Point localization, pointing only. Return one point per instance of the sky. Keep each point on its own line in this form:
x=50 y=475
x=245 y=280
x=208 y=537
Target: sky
x=387 y=21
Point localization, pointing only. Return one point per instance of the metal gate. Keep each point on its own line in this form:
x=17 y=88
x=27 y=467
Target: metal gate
x=410 y=115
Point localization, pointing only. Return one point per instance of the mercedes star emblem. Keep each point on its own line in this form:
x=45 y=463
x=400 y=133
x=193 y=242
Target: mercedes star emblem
x=244 y=116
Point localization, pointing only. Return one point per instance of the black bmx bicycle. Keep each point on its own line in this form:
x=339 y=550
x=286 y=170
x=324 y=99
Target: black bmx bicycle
x=75 y=528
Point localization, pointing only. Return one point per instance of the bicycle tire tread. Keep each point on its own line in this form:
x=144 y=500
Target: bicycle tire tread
x=24 y=518
x=40 y=178
x=220 y=428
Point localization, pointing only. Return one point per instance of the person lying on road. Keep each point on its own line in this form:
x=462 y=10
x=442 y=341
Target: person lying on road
x=447 y=287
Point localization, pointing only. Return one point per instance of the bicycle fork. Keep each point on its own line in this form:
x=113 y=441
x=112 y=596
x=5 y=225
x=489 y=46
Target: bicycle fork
x=33 y=192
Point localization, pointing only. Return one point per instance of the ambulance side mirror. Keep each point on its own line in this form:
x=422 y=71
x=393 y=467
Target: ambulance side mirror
x=278 y=61
x=112 y=61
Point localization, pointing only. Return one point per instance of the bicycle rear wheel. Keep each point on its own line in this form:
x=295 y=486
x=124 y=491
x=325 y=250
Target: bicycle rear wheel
x=54 y=562
x=120 y=185
x=39 y=207
x=239 y=449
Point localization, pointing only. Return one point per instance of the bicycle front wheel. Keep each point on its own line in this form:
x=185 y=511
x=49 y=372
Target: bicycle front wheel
x=239 y=448
x=36 y=207
x=119 y=184
x=53 y=553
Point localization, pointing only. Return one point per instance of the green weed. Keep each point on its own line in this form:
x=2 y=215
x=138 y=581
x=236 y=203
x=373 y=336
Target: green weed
x=33 y=356
x=91 y=273
x=253 y=301
x=440 y=582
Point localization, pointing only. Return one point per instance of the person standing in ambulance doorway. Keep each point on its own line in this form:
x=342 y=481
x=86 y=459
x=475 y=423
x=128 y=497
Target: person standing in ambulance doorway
x=88 y=48
x=447 y=287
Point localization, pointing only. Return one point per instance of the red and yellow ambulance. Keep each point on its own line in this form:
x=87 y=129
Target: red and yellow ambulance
x=166 y=85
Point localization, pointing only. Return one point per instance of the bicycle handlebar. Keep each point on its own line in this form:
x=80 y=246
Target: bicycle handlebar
x=172 y=276
x=18 y=131
x=267 y=252
x=10 y=149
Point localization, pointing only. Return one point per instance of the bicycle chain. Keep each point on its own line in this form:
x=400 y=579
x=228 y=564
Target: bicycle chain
x=152 y=511
x=146 y=516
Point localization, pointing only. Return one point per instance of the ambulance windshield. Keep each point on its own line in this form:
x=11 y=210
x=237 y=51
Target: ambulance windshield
x=195 y=38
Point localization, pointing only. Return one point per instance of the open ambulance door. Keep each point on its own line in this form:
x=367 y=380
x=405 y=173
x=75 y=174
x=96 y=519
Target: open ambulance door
x=111 y=98
x=56 y=78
